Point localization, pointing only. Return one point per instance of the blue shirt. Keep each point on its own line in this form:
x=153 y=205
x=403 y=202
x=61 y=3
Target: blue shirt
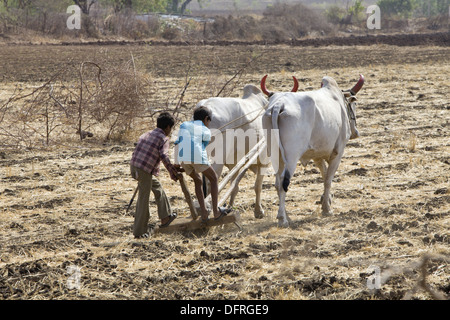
x=193 y=138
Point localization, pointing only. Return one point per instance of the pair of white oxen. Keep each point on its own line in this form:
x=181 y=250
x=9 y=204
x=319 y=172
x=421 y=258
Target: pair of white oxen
x=314 y=125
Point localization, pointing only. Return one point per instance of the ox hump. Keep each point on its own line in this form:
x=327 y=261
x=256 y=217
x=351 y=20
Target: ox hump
x=249 y=90
x=329 y=82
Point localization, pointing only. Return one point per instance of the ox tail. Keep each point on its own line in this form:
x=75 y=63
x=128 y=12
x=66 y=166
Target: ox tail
x=287 y=175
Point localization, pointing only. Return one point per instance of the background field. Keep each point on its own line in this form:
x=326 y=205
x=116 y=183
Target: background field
x=64 y=205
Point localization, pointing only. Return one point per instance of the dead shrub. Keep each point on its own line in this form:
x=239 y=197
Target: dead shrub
x=335 y=14
x=105 y=99
x=121 y=99
x=295 y=20
x=230 y=27
x=171 y=32
x=279 y=22
x=126 y=24
x=111 y=97
x=32 y=119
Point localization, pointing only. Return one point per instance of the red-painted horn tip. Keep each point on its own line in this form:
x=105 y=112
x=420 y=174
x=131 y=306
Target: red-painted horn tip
x=263 y=85
x=358 y=85
x=295 y=89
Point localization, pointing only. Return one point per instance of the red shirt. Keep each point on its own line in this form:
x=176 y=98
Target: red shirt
x=153 y=147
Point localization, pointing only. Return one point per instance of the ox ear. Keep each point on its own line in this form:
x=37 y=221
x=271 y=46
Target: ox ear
x=349 y=96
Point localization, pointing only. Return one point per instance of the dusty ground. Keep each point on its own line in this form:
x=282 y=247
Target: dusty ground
x=64 y=207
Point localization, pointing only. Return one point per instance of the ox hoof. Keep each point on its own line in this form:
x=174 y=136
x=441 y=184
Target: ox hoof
x=327 y=214
x=259 y=214
x=328 y=202
x=283 y=223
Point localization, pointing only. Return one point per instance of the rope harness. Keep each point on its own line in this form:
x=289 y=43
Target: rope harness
x=350 y=114
x=221 y=129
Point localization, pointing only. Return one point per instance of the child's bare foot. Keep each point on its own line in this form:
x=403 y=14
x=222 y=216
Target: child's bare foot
x=168 y=220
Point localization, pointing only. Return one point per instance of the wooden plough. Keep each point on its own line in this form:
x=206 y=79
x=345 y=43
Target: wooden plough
x=192 y=223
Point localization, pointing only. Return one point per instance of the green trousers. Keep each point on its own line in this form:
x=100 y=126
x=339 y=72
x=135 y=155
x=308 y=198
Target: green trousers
x=146 y=183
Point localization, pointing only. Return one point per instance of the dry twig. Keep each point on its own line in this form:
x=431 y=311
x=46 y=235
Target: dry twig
x=238 y=73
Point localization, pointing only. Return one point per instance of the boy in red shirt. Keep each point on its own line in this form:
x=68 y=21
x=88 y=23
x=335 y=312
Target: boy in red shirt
x=151 y=149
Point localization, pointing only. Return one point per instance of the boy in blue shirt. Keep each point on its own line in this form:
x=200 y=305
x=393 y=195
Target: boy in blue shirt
x=193 y=137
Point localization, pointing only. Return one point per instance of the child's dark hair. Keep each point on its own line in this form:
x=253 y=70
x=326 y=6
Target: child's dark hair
x=165 y=119
x=201 y=113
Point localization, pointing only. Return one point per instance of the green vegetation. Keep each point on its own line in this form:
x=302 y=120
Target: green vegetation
x=402 y=8
x=414 y=8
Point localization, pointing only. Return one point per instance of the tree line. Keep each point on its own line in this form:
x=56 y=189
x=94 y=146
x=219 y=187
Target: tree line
x=140 y=6
x=111 y=18
x=100 y=17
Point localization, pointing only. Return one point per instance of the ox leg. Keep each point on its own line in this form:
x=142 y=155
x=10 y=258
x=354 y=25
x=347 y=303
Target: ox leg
x=259 y=211
x=282 y=215
x=322 y=167
x=282 y=181
x=333 y=164
x=281 y=198
x=321 y=164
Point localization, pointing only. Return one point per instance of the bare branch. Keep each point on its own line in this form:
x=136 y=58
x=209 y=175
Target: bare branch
x=238 y=73
x=57 y=101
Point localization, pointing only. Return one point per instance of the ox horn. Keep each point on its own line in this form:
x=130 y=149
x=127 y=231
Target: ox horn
x=267 y=93
x=263 y=86
x=295 y=88
x=357 y=86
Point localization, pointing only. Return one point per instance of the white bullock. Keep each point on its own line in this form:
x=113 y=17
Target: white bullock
x=236 y=123
x=313 y=125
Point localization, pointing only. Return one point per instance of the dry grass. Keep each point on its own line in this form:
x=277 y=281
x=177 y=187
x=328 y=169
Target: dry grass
x=64 y=206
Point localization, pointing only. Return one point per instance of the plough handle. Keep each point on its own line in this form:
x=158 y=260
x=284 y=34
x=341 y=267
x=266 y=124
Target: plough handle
x=187 y=195
x=131 y=201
